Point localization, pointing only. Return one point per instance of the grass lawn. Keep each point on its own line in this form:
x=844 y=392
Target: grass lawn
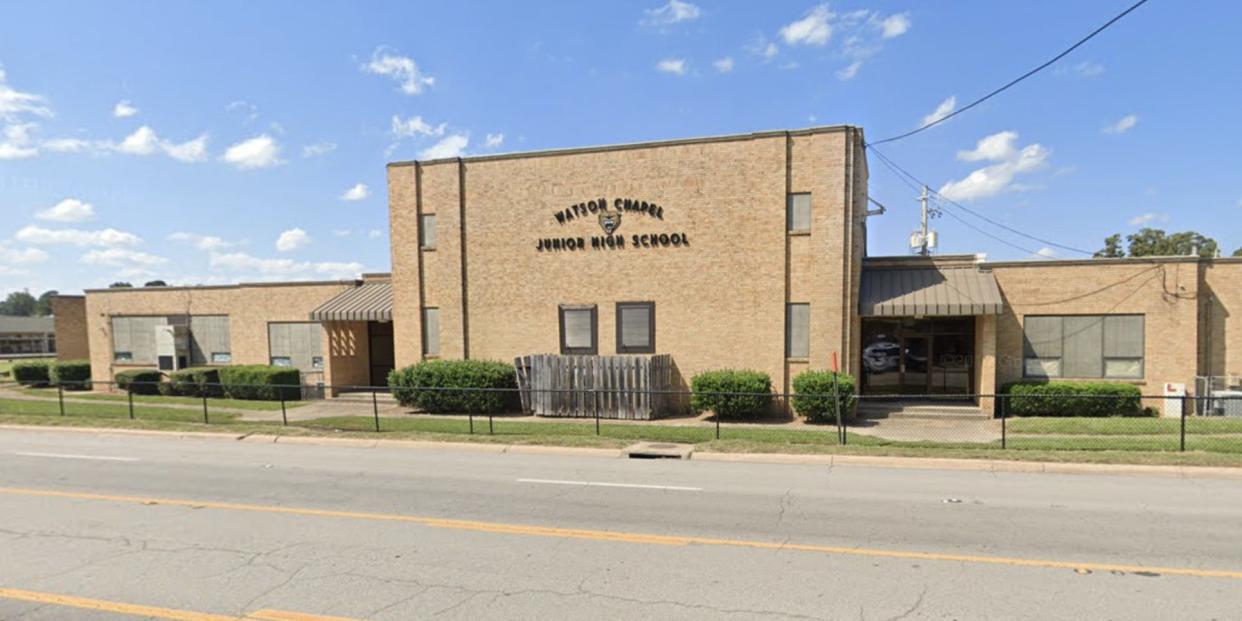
x=1122 y=426
x=735 y=440
x=94 y=411
x=240 y=404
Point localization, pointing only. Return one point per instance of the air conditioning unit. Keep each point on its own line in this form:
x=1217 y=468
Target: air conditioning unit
x=1227 y=402
x=172 y=347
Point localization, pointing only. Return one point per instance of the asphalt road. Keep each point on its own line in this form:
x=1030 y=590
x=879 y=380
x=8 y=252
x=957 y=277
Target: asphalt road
x=122 y=527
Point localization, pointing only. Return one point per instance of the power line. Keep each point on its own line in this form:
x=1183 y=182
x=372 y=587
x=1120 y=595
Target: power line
x=1016 y=80
x=915 y=183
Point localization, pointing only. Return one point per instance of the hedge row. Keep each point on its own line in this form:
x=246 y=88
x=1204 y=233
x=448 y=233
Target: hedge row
x=731 y=393
x=422 y=386
x=813 y=395
x=250 y=382
x=72 y=374
x=139 y=381
x=1064 y=398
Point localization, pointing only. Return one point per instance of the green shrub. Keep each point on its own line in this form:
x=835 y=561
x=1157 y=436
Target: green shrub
x=193 y=382
x=708 y=385
x=32 y=373
x=71 y=374
x=1060 y=398
x=261 y=382
x=813 y=392
x=140 y=381
x=438 y=374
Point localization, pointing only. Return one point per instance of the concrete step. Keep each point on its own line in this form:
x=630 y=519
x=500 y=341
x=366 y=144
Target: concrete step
x=361 y=395
x=937 y=411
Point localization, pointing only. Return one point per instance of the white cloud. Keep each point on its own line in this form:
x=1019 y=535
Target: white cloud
x=292 y=239
x=375 y=233
x=998 y=177
x=450 y=146
x=317 y=149
x=259 y=152
x=762 y=48
x=675 y=66
x=188 y=151
x=1046 y=253
x=17 y=144
x=1148 y=218
x=15 y=103
x=103 y=237
x=813 y=29
x=402 y=69
x=945 y=108
x=202 y=242
x=121 y=257
x=142 y=142
x=356 y=193
x=415 y=126
x=895 y=25
x=283 y=268
x=494 y=141
x=848 y=73
x=123 y=109
x=72 y=145
x=723 y=65
x=342 y=232
x=25 y=255
x=997 y=147
x=1123 y=125
x=68 y=210
x=243 y=107
x=1088 y=69
x=674 y=12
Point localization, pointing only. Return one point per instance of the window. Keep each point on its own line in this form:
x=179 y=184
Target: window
x=295 y=344
x=221 y=357
x=636 y=327
x=798 y=331
x=208 y=333
x=578 y=329
x=123 y=356
x=798 y=213
x=316 y=362
x=1083 y=346
x=134 y=336
x=427 y=231
x=431 y=332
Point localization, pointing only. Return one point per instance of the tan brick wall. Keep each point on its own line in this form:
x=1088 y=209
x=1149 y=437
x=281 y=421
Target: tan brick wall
x=1221 y=318
x=1164 y=291
x=250 y=308
x=720 y=302
x=70 y=325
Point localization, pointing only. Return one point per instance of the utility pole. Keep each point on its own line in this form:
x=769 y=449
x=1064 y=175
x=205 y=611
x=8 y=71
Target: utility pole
x=923 y=224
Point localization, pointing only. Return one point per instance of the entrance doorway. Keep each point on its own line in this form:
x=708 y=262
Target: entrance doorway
x=918 y=356
x=383 y=358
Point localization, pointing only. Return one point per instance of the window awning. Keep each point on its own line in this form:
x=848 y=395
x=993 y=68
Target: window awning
x=906 y=292
x=369 y=302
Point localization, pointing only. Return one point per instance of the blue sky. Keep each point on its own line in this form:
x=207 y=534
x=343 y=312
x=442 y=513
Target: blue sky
x=218 y=142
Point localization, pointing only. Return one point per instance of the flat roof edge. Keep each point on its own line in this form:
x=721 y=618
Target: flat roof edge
x=240 y=285
x=819 y=129
x=1093 y=261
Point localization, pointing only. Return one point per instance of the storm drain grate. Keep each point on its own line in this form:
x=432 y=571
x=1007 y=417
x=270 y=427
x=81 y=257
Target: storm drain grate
x=658 y=450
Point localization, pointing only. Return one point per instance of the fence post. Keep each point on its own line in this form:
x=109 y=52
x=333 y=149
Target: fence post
x=1182 y=444
x=1004 y=408
x=491 y=428
x=60 y=396
x=836 y=408
x=205 y=420
x=284 y=415
x=130 y=391
x=470 y=417
x=375 y=408
x=717 y=416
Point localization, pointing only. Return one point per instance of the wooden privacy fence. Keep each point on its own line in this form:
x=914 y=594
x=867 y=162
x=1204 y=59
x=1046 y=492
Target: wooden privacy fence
x=621 y=387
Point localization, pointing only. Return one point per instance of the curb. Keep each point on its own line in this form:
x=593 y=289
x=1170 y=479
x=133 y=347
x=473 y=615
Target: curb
x=874 y=461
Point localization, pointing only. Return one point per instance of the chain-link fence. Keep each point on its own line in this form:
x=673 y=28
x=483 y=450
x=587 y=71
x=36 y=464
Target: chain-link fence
x=1006 y=422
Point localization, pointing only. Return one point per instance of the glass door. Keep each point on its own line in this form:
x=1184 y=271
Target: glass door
x=915 y=355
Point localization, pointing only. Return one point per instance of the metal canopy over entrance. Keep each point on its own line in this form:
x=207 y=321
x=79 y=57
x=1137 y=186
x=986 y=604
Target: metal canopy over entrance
x=928 y=292
x=370 y=302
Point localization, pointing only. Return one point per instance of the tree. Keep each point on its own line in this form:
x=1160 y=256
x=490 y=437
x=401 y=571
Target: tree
x=1150 y=242
x=1238 y=252
x=19 y=303
x=1112 y=248
x=120 y=285
x=155 y=283
x=43 y=307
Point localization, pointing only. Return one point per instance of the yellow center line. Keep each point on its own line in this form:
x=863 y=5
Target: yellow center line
x=625 y=537
x=152 y=612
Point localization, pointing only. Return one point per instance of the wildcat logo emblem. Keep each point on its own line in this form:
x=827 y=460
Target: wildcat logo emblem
x=609 y=222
